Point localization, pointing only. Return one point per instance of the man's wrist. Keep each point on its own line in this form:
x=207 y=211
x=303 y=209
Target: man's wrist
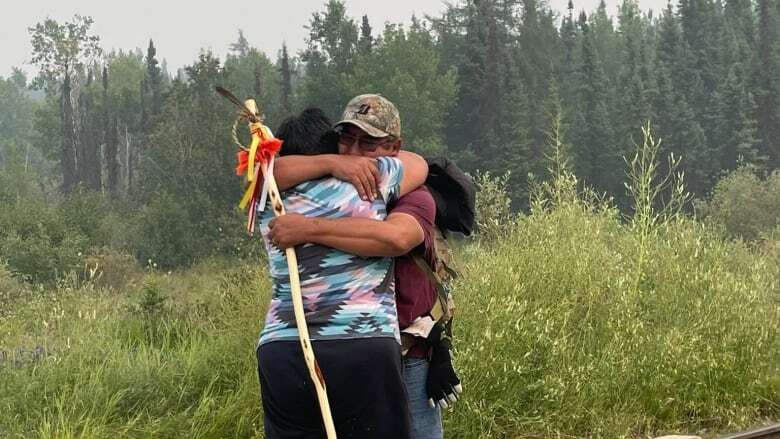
x=329 y=162
x=314 y=227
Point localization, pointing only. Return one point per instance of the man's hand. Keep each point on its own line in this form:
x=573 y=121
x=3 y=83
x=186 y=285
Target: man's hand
x=290 y=230
x=443 y=385
x=362 y=172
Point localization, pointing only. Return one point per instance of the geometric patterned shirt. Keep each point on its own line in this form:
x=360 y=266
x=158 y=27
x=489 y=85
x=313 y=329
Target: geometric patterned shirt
x=345 y=296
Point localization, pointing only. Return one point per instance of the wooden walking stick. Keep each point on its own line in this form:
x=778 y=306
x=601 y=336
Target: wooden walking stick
x=263 y=148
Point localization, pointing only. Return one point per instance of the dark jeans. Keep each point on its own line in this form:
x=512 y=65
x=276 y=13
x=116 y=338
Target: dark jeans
x=364 y=378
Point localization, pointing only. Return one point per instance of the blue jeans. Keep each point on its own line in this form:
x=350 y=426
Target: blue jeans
x=426 y=421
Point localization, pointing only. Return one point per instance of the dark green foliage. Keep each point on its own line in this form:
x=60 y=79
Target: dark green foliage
x=88 y=158
x=405 y=68
x=768 y=91
x=594 y=144
x=329 y=57
x=16 y=119
x=85 y=210
x=152 y=299
x=153 y=80
x=366 y=41
x=164 y=232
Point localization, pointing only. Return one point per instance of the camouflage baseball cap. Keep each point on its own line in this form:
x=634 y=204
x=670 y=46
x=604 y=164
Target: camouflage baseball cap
x=373 y=114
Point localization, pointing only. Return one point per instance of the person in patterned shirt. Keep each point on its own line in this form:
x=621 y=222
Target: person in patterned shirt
x=349 y=300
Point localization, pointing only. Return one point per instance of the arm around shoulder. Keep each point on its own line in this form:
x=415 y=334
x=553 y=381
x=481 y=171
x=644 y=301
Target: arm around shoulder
x=415 y=171
x=292 y=170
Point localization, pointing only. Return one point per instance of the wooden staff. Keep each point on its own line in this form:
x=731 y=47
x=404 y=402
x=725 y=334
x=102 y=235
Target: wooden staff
x=295 y=286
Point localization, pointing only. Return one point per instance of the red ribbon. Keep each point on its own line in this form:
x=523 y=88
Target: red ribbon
x=265 y=151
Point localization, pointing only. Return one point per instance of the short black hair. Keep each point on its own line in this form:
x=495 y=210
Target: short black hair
x=309 y=133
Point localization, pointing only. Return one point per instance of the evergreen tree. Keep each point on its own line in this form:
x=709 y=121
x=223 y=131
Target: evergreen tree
x=741 y=19
x=240 y=47
x=366 y=41
x=153 y=79
x=537 y=39
x=738 y=134
x=517 y=152
x=768 y=80
x=605 y=40
x=597 y=155
x=677 y=123
x=634 y=108
x=286 y=81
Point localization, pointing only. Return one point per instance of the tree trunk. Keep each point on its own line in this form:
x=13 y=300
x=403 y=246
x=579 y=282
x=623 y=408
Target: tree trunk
x=128 y=161
x=112 y=165
x=89 y=158
x=68 y=146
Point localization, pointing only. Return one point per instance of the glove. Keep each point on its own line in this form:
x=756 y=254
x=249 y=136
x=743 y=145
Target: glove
x=442 y=384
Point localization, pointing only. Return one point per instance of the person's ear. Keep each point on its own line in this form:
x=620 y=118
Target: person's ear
x=396 y=146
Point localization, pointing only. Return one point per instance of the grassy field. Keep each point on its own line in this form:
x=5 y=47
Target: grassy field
x=571 y=323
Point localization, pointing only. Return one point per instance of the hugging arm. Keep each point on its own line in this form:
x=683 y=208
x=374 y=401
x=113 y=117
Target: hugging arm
x=361 y=172
x=295 y=169
x=395 y=236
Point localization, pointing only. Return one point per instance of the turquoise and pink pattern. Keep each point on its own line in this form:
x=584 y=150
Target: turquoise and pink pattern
x=344 y=296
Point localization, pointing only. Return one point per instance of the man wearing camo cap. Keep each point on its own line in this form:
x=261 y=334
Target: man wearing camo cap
x=371 y=127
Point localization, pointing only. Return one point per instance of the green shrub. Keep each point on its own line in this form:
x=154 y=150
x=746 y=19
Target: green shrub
x=744 y=205
x=84 y=210
x=37 y=243
x=175 y=233
x=164 y=233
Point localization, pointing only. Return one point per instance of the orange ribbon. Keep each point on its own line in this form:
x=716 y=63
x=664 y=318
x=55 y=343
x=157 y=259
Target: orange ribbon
x=267 y=149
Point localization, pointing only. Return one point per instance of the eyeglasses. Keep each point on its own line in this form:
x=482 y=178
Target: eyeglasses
x=365 y=143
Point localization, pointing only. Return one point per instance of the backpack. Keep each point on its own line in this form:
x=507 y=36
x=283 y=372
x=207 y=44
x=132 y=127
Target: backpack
x=454 y=192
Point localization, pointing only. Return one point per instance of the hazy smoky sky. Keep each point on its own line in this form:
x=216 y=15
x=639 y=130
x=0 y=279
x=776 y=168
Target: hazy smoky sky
x=181 y=29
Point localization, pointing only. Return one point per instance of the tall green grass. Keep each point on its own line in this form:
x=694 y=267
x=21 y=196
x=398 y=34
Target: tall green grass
x=555 y=341
x=172 y=357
